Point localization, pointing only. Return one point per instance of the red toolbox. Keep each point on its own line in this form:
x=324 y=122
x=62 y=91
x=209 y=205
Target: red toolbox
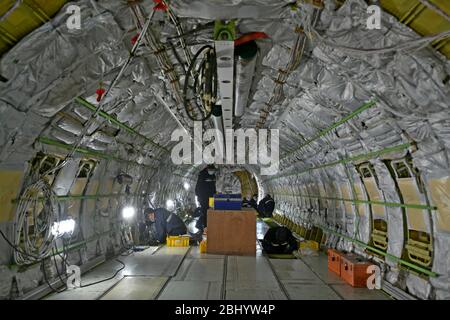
x=334 y=261
x=354 y=270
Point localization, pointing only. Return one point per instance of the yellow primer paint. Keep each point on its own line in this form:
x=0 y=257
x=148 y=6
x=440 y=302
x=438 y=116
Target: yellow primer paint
x=440 y=193
x=374 y=194
x=10 y=182
x=420 y=18
x=416 y=217
x=18 y=21
x=248 y=183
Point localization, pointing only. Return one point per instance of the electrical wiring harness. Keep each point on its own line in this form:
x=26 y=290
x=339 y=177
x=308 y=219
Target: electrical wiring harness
x=33 y=239
x=205 y=84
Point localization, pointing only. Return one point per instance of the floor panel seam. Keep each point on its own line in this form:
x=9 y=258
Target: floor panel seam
x=169 y=278
x=320 y=278
x=282 y=287
x=224 y=279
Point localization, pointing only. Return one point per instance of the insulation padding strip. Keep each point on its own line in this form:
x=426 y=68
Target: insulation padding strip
x=382 y=203
x=114 y=120
x=365 y=156
x=323 y=132
x=97 y=154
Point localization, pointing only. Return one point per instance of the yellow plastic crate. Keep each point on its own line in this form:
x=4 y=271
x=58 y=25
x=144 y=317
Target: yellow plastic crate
x=177 y=241
x=309 y=244
x=203 y=246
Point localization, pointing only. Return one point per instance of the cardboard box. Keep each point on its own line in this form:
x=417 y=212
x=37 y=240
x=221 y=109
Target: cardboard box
x=232 y=232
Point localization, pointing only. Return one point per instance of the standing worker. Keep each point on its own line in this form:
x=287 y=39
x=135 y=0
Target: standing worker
x=166 y=223
x=205 y=188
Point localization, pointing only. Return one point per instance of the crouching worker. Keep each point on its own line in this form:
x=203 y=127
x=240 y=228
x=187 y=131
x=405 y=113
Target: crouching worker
x=279 y=240
x=266 y=207
x=166 y=223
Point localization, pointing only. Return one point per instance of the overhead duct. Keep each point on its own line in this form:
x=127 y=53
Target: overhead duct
x=217 y=117
x=245 y=70
x=225 y=71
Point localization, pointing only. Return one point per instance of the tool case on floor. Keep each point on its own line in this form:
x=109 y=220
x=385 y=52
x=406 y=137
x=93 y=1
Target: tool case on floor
x=334 y=261
x=227 y=202
x=354 y=270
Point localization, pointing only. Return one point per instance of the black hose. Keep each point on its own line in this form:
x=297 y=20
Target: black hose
x=186 y=83
x=107 y=279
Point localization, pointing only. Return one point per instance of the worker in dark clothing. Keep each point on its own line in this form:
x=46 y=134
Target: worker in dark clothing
x=166 y=223
x=254 y=202
x=279 y=240
x=205 y=188
x=266 y=207
x=246 y=202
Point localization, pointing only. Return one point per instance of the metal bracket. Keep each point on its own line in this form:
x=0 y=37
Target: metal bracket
x=224 y=31
x=225 y=73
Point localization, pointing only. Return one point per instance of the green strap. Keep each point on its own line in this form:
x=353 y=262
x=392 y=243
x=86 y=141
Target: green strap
x=89 y=152
x=323 y=132
x=365 y=156
x=98 y=154
x=386 y=204
x=385 y=254
x=82 y=197
x=114 y=120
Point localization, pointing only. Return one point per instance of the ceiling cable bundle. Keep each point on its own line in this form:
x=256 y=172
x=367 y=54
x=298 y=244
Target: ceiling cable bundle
x=205 y=83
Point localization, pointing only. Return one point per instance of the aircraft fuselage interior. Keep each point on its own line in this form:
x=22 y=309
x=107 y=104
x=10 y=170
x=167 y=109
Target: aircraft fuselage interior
x=224 y=150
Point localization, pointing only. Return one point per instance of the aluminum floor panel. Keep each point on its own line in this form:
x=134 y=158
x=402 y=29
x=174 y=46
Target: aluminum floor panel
x=252 y=294
x=208 y=270
x=164 y=262
x=294 y=269
x=191 y=290
x=136 y=288
x=319 y=264
x=250 y=273
x=349 y=293
x=301 y=291
x=194 y=253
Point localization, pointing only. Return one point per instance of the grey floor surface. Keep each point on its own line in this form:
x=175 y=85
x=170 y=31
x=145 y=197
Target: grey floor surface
x=184 y=273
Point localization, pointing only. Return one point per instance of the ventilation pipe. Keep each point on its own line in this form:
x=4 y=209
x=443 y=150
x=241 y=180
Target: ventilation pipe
x=217 y=119
x=245 y=70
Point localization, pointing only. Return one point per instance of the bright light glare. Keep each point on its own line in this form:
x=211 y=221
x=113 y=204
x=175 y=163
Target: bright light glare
x=192 y=226
x=197 y=204
x=63 y=227
x=170 y=205
x=186 y=186
x=128 y=212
